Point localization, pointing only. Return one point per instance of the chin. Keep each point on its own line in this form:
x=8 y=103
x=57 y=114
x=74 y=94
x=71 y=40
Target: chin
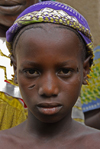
x=49 y=119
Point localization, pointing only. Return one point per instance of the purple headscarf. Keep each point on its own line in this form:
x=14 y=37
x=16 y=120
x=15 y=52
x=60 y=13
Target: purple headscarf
x=51 y=12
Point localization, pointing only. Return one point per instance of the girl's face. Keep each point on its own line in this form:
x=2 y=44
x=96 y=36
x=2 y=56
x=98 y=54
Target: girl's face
x=10 y=9
x=49 y=71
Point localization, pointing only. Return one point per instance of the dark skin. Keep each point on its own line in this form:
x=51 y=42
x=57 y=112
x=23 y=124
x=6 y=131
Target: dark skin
x=8 y=14
x=50 y=72
x=92 y=118
x=9 y=10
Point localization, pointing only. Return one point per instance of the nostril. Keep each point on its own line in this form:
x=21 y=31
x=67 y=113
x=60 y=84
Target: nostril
x=55 y=95
x=48 y=95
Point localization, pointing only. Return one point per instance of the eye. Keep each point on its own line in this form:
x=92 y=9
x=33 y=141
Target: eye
x=65 y=72
x=31 y=73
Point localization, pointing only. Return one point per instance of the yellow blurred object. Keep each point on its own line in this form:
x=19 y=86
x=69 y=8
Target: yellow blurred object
x=12 y=112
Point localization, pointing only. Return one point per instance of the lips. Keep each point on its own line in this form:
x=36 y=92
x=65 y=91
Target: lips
x=49 y=108
x=10 y=2
x=10 y=8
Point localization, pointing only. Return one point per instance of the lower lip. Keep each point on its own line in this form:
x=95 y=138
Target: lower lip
x=10 y=9
x=50 y=110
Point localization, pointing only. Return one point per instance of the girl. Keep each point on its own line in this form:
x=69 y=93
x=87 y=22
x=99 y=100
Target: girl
x=51 y=52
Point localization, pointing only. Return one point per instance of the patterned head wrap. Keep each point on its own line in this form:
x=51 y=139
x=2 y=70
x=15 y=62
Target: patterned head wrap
x=51 y=12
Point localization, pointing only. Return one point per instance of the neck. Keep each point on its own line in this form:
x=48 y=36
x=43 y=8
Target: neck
x=3 y=30
x=49 y=130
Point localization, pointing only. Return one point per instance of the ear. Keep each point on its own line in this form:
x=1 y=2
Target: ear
x=86 y=70
x=13 y=63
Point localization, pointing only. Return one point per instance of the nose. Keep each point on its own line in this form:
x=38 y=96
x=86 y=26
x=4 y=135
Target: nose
x=49 y=86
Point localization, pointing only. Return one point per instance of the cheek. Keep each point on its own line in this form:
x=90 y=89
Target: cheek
x=72 y=89
x=70 y=97
x=23 y=84
x=31 y=2
x=28 y=88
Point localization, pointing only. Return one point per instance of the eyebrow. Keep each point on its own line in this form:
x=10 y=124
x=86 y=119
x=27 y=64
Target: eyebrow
x=67 y=62
x=58 y=63
x=29 y=63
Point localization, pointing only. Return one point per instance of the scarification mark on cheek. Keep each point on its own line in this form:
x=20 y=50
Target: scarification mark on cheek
x=32 y=86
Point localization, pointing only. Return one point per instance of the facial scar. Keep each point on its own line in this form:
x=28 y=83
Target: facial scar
x=32 y=86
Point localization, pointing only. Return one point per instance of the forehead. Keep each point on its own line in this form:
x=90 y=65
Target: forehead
x=48 y=38
x=48 y=29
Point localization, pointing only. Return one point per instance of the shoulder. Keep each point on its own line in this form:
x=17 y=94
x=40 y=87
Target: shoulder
x=85 y=137
x=90 y=137
x=10 y=137
x=5 y=138
x=7 y=134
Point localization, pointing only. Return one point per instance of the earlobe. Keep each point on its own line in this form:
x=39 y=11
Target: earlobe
x=86 y=70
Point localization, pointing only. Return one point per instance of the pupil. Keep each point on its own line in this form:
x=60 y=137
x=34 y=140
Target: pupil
x=31 y=71
x=65 y=70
